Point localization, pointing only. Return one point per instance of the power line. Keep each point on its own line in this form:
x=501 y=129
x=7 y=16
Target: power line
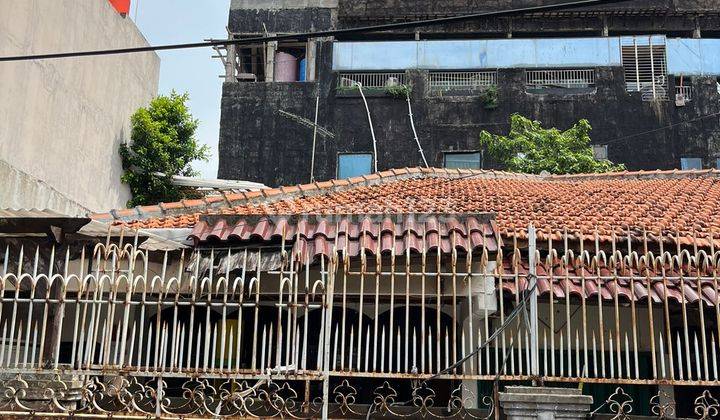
x=659 y=129
x=318 y=34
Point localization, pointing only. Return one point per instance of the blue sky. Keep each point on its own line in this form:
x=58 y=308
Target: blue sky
x=192 y=71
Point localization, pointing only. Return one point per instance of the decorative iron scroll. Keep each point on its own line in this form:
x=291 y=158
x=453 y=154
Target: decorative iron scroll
x=620 y=404
x=706 y=406
x=203 y=398
x=662 y=405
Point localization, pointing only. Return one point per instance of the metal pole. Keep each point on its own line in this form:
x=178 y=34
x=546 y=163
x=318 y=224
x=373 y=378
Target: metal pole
x=532 y=246
x=312 y=160
x=652 y=67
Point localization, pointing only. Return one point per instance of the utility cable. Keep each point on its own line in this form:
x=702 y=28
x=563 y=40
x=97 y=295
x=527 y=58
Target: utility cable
x=318 y=34
x=659 y=129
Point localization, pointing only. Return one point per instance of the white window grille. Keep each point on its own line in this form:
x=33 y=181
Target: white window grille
x=568 y=79
x=372 y=80
x=685 y=91
x=448 y=80
x=645 y=64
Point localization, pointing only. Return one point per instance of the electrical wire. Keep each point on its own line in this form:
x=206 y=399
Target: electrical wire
x=659 y=129
x=317 y=34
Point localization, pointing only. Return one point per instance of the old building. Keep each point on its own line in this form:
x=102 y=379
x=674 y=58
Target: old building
x=644 y=73
x=403 y=294
x=62 y=121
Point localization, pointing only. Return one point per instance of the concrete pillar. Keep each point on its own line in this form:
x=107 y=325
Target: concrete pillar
x=270 y=49
x=529 y=403
x=310 y=60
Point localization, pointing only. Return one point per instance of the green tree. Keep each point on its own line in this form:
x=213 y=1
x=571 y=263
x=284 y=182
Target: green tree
x=530 y=148
x=163 y=141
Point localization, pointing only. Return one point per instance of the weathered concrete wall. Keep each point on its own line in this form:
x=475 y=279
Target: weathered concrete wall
x=258 y=144
x=282 y=16
x=672 y=17
x=386 y=8
x=61 y=121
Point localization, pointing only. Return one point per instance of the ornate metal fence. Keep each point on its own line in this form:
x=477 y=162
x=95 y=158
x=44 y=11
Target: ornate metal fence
x=114 y=330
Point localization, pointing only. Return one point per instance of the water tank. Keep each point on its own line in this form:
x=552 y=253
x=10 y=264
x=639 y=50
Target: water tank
x=286 y=67
x=302 y=76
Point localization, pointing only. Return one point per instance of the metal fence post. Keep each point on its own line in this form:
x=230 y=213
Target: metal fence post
x=532 y=246
x=330 y=291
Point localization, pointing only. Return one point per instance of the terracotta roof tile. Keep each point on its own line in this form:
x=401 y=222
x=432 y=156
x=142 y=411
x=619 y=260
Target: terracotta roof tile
x=687 y=202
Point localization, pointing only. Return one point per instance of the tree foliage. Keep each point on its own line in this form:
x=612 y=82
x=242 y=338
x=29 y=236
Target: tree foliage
x=530 y=148
x=163 y=141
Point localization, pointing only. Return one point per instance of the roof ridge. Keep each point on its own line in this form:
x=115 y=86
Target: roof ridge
x=270 y=195
x=654 y=174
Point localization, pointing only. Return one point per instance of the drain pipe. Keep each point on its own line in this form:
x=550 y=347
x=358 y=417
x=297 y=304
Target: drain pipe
x=372 y=131
x=412 y=124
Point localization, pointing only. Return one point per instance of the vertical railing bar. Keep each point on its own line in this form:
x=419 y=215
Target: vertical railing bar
x=618 y=334
x=438 y=304
x=363 y=269
x=391 y=327
x=329 y=292
x=241 y=299
x=303 y=357
x=407 y=311
x=257 y=284
x=279 y=328
x=701 y=304
x=378 y=270
x=686 y=336
x=568 y=320
x=668 y=334
x=49 y=281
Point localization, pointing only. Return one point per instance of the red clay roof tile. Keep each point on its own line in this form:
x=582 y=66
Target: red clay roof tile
x=687 y=202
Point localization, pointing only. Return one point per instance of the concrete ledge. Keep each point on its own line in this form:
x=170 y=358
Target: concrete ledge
x=528 y=403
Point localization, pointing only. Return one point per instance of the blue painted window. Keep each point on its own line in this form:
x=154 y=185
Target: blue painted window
x=354 y=164
x=690 y=163
x=462 y=160
x=717 y=164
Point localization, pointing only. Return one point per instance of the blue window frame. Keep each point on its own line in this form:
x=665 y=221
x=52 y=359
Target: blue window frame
x=462 y=160
x=690 y=163
x=354 y=164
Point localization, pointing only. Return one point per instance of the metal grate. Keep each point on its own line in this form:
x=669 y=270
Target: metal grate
x=645 y=65
x=568 y=79
x=372 y=80
x=448 y=80
x=242 y=332
x=686 y=91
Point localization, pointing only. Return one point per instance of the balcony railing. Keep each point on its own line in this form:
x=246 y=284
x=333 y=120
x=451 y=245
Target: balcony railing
x=442 y=81
x=569 y=79
x=372 y=80
x=685 y=91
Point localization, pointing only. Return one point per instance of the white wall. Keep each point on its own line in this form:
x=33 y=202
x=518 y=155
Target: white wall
x=62 y=120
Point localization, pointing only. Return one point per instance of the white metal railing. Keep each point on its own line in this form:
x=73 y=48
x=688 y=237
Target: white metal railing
x=686 y=91
x=373 y=80
x=254 y=319
x=447 y=80
x=568 y=78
